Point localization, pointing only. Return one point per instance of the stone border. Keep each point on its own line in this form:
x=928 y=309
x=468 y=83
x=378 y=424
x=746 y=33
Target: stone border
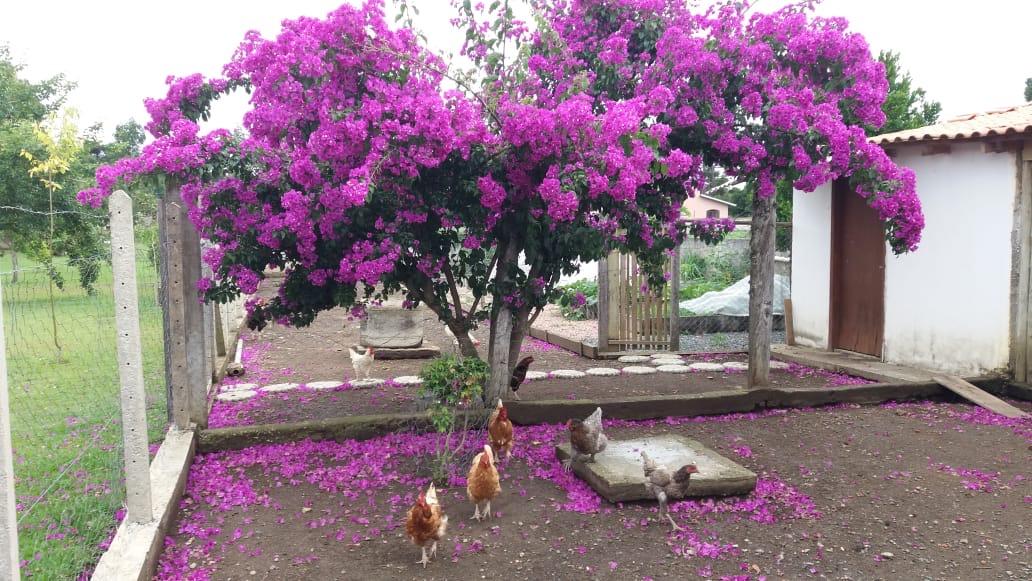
x=558 y=411
x=134 y=552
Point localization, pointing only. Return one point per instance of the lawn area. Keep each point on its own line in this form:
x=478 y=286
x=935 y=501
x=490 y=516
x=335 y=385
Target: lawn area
x=65 y=410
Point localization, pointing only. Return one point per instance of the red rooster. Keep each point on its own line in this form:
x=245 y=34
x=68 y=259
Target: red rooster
x=499 y=431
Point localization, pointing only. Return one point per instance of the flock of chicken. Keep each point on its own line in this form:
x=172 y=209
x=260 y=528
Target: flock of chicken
x=427 y=524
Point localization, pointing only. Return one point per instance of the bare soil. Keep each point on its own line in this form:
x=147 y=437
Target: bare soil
x=914 y=491
x=320 y=353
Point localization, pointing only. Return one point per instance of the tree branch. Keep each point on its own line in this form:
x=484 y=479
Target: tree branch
x=490 y=267
x=454 y=290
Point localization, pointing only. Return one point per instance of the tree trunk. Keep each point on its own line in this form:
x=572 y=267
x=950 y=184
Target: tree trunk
x=14 y=265
x=498 y=356
x=520 y=329
x=761 y=287
x=461 y=332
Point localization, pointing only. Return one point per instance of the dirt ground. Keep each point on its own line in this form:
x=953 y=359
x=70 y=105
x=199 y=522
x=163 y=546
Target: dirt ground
x=320 y=353
x=899 y=491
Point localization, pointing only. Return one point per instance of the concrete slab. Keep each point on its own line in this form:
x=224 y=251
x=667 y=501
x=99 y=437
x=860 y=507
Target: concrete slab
x=426 y=351
x=324 y=384
x=617 y=473
x=639 y=370
x=390 y=327
x=852 y=363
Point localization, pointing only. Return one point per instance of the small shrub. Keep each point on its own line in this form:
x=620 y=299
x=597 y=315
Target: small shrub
x=578 y=300
x=451 y=384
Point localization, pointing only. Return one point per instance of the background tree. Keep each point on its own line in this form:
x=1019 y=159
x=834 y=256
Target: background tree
x=28 y=209
x=906 y=106
x=1028 y=90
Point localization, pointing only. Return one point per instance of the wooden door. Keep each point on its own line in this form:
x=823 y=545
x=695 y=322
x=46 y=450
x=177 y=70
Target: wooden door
x=857 y=274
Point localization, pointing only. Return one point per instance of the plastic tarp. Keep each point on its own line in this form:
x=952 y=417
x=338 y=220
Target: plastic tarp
x=734 y=300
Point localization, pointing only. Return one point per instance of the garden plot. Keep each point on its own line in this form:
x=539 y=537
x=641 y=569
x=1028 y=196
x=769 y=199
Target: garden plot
x=316 y=359
x=895 y=491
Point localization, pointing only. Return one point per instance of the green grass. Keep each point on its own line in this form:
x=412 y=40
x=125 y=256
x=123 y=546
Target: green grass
x=65 y=411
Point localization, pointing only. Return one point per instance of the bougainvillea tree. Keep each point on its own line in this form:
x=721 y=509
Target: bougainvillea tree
x=370 y=167
x=771 y=98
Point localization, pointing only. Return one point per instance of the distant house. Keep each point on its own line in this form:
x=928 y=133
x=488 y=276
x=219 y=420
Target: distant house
x=961 y=303
x=703 y=206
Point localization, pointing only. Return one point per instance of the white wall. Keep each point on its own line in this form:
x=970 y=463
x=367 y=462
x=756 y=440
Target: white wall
x=947 y=305
x=811 y=266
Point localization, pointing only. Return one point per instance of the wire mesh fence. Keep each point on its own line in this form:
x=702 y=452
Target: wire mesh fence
x=64 y=400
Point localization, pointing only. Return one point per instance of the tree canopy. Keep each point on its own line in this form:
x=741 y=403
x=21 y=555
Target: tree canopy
x=371 y=167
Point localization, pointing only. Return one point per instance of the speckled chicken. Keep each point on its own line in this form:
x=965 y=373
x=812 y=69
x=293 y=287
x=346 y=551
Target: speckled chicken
x=586 y=439
x=664 y=485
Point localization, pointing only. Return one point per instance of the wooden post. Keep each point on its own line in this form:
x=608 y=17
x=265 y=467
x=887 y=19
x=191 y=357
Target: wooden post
x=130 y=361
x=501 y=331
x=1021 y=331
x=789 y=324
x=603 y=304
x=675 y=300
x=8 y=501
x=761 y=289
x=179 y=400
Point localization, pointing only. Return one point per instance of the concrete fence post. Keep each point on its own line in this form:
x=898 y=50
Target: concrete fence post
x=130 y=360
x=198 y=354
x=179 y=400
x=8 y=517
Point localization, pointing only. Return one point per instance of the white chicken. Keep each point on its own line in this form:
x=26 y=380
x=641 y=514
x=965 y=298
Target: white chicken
x=361 y=362
x=451 y=335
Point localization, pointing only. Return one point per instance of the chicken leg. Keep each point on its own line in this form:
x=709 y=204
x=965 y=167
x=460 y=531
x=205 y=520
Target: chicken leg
x=425 y=560
x=433 y=550
x=487 y=510
x=664 y=510
x=476 y=513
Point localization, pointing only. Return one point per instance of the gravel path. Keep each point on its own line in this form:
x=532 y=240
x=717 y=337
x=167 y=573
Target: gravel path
x=737 y=341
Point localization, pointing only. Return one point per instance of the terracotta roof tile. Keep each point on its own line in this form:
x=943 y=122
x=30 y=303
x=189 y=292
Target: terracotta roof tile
x=995 y=123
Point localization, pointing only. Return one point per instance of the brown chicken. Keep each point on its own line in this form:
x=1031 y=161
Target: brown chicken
x=426 y=524
x=499 y=431
x=482 y=483
x=664 y=486
x=519 y=374
x=586 y=439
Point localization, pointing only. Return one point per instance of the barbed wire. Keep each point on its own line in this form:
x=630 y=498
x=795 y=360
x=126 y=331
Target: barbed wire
x=50 y=213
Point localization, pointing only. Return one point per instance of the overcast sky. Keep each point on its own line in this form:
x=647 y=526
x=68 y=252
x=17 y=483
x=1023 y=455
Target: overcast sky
x=971 y=56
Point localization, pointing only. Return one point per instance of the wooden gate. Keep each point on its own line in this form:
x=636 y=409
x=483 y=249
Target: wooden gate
x=630 y=319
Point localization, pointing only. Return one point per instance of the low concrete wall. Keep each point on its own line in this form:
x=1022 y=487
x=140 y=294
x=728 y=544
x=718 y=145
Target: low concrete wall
x=133 y=554
x=558 y=411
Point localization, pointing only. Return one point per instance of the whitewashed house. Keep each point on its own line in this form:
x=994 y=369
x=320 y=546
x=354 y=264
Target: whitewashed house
x=960 y=303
